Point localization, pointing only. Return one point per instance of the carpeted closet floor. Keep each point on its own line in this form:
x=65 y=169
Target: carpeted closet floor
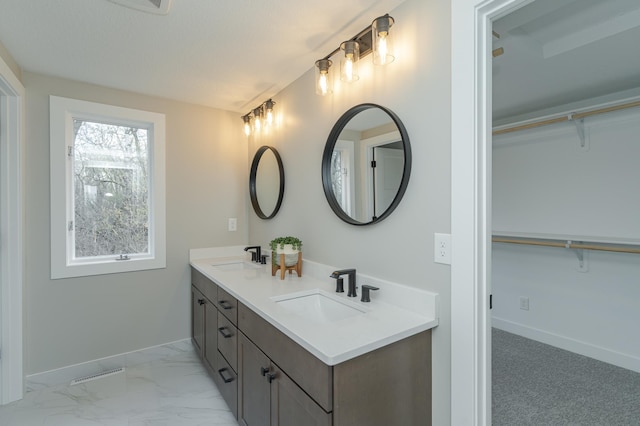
x=538 y=384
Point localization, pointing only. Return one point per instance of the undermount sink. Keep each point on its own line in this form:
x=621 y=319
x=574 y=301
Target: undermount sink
x=319 y=306
x=236 y=265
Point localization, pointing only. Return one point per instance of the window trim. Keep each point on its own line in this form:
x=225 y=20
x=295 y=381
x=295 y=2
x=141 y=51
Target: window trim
x=62 y=113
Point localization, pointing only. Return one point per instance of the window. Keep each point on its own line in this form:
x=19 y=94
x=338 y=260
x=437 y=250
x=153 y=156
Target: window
x=107 y=189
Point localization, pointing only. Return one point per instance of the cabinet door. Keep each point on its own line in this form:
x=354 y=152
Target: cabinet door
x=211 y=334
x=197 y=319
x=290 y=406
x=254 y=388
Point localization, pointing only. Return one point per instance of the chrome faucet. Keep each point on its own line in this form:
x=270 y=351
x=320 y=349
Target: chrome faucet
x=255 y=255
x=352 y=279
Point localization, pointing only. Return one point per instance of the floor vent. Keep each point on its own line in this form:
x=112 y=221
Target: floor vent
x=97 y=376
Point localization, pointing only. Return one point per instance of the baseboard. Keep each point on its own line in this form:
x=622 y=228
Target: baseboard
x=619 y=359
x=65 y=375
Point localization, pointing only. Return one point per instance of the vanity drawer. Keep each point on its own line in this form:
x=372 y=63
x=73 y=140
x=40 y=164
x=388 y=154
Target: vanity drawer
x=207 y=287
x=228 y=305
x=227 y=381
x=228 y=341
x=311 y=374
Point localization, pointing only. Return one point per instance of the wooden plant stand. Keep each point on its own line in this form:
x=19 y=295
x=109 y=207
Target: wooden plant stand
x=297 y=267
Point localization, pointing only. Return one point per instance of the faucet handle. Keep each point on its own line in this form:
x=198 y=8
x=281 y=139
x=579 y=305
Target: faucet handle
x=365 y=292
x=340 y=285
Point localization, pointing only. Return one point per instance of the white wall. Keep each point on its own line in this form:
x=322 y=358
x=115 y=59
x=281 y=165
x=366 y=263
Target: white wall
x=417 y=88
x=593 y=313
x=70 y=321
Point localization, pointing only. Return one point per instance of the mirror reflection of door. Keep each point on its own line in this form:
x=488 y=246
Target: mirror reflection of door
x=384 y=156
x=387 y=175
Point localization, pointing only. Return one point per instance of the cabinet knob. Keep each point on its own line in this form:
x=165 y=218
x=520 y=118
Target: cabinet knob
x=264 y=370
x=271 y=377
x=201 y=301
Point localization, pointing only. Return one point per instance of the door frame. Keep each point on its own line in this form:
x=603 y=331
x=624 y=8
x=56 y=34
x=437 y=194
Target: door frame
x=12 y=112
x=471 y=83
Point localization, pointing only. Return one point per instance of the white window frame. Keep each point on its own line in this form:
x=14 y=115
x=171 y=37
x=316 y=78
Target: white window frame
x=62 y=113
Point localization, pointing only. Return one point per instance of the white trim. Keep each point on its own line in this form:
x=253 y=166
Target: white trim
x=11 y=233
x=62 y=113
x=470 y=207
x=64 y=375
x=628 y=361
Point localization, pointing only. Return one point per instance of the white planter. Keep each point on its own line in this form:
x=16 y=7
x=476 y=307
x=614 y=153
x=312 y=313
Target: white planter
x=290 y=255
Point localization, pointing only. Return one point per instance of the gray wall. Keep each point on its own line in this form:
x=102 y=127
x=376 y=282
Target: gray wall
x=417 y=88
x=69 y=321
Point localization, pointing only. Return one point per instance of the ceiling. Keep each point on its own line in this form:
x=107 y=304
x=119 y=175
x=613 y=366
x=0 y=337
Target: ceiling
x=229 y=54
x=563 y=51
x=235 y=54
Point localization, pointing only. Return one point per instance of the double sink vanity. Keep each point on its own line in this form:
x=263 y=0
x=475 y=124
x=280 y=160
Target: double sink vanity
x=296 y=352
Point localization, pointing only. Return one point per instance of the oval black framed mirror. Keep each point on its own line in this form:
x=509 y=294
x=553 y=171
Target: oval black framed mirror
x=366 y=164
x=266 y=182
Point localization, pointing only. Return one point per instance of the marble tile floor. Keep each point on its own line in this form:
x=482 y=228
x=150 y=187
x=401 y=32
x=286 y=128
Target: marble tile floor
x=173 y=391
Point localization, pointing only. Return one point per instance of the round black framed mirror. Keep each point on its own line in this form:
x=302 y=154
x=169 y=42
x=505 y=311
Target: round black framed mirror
x=366 y=164
x=266 y=182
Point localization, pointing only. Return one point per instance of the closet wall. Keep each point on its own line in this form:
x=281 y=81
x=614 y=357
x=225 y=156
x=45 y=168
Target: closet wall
x=546 y=184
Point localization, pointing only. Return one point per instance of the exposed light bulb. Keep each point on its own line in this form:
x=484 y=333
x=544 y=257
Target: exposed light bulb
x=348 y=68
x=324 y=85
x=382 y=48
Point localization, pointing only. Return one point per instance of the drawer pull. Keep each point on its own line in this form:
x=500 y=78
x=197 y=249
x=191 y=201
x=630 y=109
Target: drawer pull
x=201 y=301
x=264 y=370
x=225 y=305
x=225 y=333
x=226 y=379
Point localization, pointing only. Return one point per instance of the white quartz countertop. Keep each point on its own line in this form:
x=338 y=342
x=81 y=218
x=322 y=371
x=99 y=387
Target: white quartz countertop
x=394 y=313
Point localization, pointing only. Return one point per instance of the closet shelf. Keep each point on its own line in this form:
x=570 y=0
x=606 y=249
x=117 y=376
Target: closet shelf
x=568 y=244
x=572 y=116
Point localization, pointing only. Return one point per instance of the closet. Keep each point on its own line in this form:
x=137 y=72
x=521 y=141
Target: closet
x=566 y=226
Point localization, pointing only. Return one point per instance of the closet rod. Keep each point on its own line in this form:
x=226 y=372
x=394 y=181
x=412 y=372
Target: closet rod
x=568 y=117
x=567 y=244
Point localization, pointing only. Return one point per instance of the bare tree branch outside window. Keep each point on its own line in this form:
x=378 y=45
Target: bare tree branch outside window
x=111 y=189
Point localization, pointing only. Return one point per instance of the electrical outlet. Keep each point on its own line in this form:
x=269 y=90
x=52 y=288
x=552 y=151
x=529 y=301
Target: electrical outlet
x=442 y=248
x=233 y=224
x=524 y=303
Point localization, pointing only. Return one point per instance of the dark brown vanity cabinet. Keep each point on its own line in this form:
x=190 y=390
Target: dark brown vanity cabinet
x=268 y=397
x=268 y=379
x=214 y=335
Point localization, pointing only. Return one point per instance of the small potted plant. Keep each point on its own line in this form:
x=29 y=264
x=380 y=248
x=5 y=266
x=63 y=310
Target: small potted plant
x=290 y=246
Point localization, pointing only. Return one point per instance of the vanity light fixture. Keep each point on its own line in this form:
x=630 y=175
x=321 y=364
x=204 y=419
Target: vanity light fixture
x=349 y=63
x=374 y=38
x=259 y=118
x=382 y=40
x=268 y=106
x=247 y=124
x=324 y=77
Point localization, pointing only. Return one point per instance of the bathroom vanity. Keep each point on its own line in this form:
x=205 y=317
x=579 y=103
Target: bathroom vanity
x=294 y=352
